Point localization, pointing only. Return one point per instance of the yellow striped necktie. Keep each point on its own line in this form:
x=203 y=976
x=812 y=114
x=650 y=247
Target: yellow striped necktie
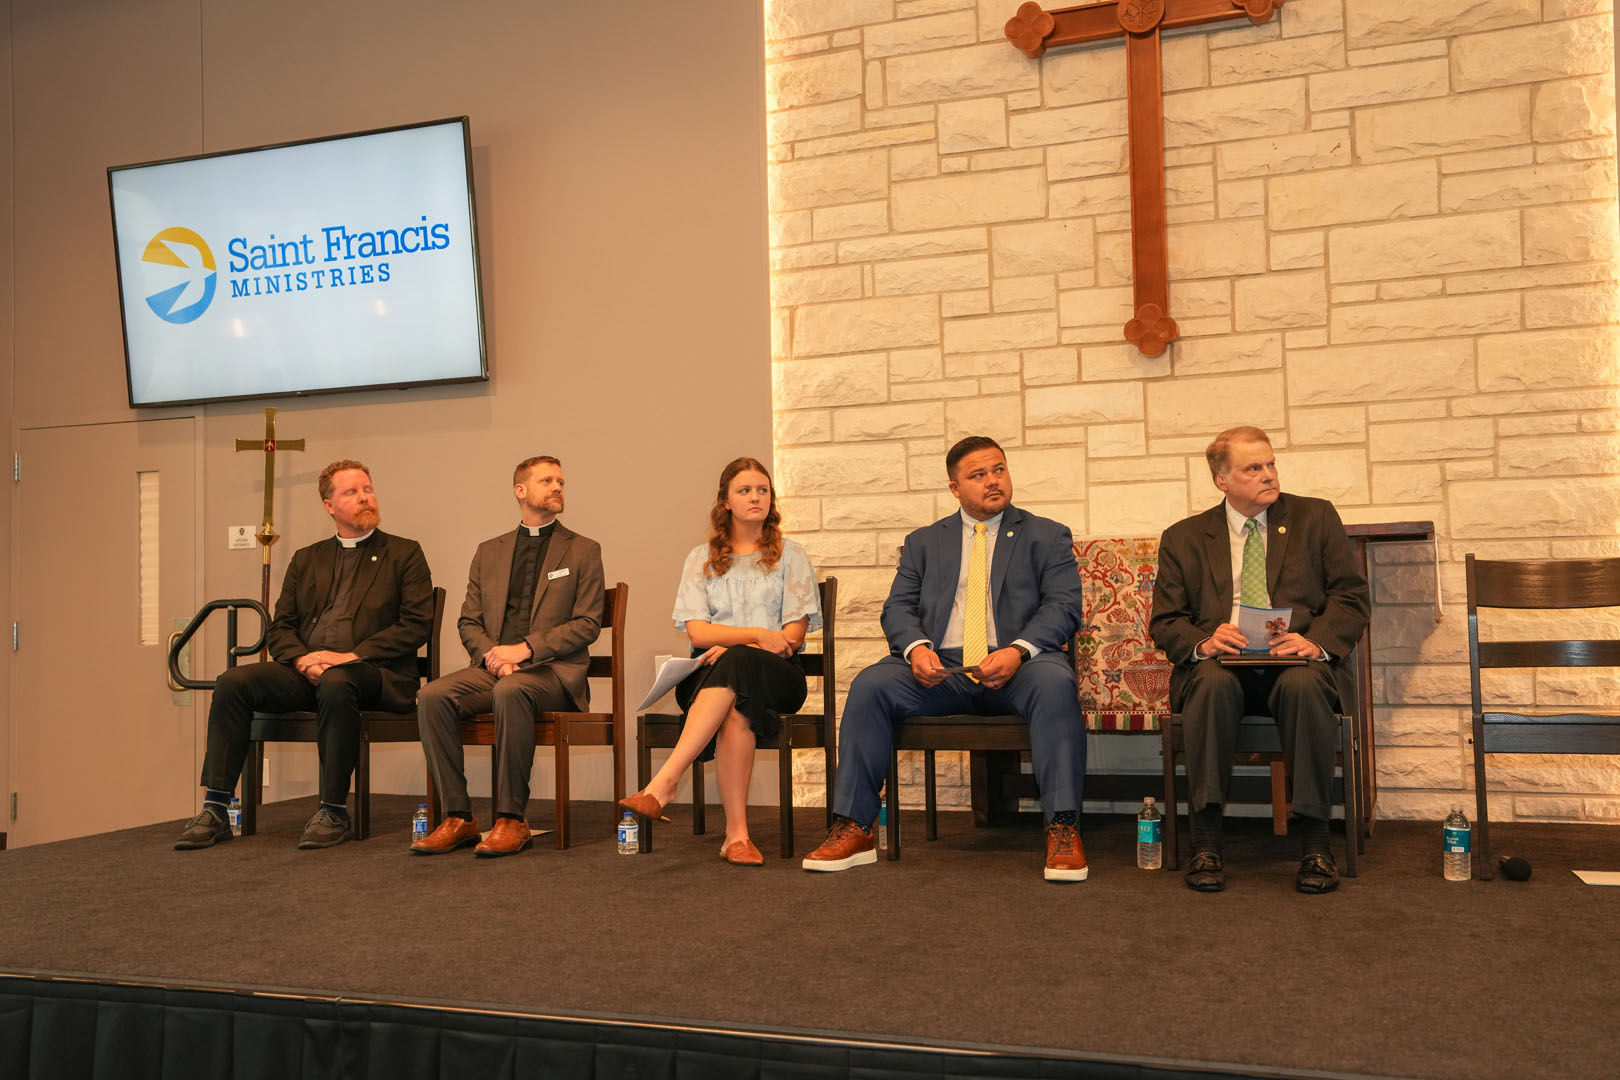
x=975 y=626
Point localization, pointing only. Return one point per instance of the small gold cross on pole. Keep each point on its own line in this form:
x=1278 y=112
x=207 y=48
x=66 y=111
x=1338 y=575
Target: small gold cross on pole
x=267 y=533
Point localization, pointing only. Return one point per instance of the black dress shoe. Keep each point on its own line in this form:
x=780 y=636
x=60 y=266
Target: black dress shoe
x=1317 y=874
x=1204 y=873
x=325 y=830
x=205 y=830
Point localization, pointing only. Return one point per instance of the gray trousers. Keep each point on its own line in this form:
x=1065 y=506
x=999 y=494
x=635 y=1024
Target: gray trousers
x=514 y=701
x=1304 y=702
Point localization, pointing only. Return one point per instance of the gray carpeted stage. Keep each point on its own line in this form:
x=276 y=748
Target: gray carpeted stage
x=960 y=943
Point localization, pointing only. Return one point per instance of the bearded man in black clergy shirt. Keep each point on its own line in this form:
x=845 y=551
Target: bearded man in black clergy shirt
x=1261 y=548
x=533 y=607
x=353 y=611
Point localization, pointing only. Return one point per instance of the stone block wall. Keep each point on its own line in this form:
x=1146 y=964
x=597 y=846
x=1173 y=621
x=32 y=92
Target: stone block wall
x=1392 y=245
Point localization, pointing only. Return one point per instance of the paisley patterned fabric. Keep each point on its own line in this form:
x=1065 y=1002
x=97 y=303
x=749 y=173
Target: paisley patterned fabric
x=1124 y=680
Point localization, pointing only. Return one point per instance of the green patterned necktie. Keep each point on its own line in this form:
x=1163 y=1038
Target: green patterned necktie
x=1253 y=592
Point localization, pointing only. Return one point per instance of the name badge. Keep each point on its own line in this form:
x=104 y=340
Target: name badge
x=555 y=574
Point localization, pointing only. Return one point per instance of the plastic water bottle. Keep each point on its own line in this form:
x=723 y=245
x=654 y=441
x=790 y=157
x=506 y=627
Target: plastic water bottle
x=1149 y=848
x=1458 y=836
x=233 y=814
x=882 y=828
x=419 y=823
x=629 y=834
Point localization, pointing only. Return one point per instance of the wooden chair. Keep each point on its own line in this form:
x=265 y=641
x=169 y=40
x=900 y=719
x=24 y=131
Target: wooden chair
x=1547 y=586
x=1125 y=687
x=800 y=731
x=376 y=726
x=563 y=730
x=1260 y=743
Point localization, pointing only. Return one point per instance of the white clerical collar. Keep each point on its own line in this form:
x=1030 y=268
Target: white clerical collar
x=355 y=541
x=536 y=530
x=1235 y=520
x=990 y=524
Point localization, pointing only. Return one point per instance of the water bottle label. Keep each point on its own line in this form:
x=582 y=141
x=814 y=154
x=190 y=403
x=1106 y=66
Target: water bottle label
x=627 y=834
x=1147 y=832
x=1457 y=840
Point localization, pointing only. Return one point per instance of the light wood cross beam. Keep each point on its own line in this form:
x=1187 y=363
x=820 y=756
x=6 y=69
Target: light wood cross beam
x=1139 y=22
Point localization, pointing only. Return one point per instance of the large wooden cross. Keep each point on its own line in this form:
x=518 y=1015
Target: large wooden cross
x=1035 y=30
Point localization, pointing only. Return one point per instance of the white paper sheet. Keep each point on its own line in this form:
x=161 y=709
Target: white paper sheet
x=1599 y=877
x=674 y=670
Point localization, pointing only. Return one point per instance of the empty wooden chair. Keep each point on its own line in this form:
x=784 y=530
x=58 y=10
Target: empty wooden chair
x=1548 y=586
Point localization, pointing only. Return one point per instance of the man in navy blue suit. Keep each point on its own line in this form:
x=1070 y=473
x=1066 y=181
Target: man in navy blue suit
x=981 y=608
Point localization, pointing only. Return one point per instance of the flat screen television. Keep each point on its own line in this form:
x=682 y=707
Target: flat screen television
x=341 y=263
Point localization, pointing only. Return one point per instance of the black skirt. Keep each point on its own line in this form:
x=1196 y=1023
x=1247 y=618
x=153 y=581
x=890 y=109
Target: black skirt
x=766 y=685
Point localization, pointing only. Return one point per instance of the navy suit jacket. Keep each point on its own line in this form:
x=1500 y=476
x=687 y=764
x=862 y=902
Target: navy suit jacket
x=1034 y=584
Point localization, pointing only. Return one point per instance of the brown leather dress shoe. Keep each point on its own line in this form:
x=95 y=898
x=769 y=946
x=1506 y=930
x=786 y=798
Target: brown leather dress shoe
x=645 y=805
x=847 y=845
x=742 y=853
x=508 y=837
x=452 y=833
x=1065 y=854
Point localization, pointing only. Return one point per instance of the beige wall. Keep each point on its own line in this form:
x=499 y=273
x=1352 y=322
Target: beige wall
x=620 y=192
x=1392 y=244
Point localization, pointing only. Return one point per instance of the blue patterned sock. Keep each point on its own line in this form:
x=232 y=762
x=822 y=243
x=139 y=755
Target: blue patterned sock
x=867 y=829
x=1066 y=817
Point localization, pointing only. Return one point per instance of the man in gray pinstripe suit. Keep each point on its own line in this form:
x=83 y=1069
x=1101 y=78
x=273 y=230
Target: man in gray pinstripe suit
x=1297 y=553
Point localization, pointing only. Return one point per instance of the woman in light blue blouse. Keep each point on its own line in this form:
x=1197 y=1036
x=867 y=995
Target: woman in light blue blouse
x=746 y=600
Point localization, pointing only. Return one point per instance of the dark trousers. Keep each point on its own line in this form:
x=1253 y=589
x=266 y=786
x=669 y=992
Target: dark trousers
x=1043 y=693
x=336 y=702
x=1304 y=702
x=515 y=702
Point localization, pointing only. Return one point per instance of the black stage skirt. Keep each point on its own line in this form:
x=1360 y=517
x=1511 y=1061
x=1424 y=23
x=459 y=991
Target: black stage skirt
x=767 y=687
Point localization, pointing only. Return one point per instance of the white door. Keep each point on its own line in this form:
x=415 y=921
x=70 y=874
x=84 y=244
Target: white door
x=99 y=741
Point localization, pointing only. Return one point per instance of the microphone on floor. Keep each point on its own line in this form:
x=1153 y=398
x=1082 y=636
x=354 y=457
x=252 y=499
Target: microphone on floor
x=1514 y=868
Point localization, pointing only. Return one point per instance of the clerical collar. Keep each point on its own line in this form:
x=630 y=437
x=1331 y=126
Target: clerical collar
x=355 y=541
x=537 y=530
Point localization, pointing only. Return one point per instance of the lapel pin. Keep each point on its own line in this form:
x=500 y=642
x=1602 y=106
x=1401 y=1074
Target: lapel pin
x=1282 y=529
x=1009 y=532
x=374 y=558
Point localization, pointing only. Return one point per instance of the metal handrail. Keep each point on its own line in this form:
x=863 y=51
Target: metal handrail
x=232 y=649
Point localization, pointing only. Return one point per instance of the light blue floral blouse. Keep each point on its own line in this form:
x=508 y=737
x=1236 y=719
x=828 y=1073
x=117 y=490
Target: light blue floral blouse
x=747 y=595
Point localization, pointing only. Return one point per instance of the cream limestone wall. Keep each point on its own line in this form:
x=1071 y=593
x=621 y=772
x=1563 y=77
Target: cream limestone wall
x=1392 y=245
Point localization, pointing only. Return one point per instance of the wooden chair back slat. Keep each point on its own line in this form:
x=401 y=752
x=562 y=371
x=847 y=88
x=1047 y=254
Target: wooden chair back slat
x=1530 y=654
x=1544 y=583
